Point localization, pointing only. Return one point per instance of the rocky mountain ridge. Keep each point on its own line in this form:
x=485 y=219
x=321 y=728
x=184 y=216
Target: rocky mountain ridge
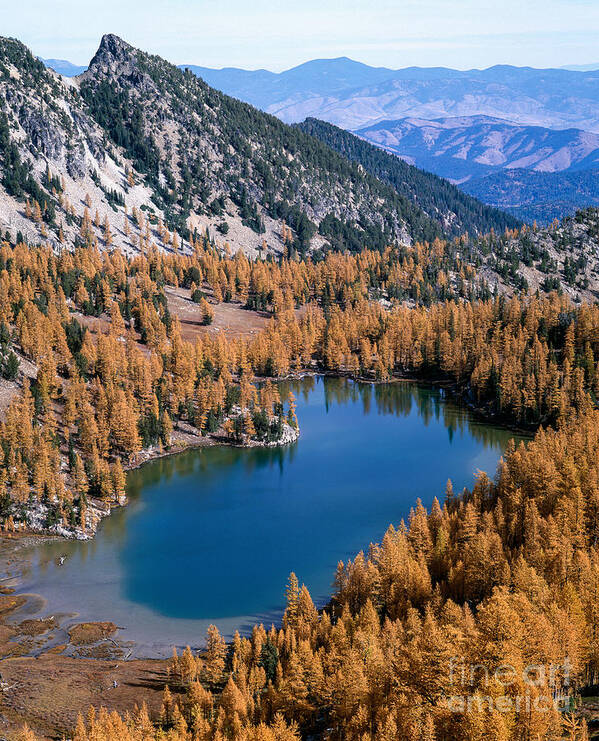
x=462 y=125
x=414 y=184
x=151 y=151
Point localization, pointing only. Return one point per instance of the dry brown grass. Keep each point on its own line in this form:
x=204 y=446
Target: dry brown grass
x=85 y=633
x=229 y=318
x=49 y=691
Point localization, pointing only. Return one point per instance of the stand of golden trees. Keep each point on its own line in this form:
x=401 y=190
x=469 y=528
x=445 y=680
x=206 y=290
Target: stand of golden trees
x=94 y=400
x=476 y=620
x=505 y=574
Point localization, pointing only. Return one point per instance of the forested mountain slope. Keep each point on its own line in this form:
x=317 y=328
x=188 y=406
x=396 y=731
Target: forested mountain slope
x=540 y=196
x=563 y=256
x=204 y=152
x=435 y=195
x=457 y=124
x=136 y=131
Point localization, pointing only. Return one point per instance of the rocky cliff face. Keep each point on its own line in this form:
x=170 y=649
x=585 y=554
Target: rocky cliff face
x=46 y=129
x=112 y=50
x=39 y=105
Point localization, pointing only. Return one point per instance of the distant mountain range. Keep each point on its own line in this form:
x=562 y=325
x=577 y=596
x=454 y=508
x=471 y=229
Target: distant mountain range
x=533 y=172
x=473 y=146
x=353 y=95
x=63 y=67
x=462 y=125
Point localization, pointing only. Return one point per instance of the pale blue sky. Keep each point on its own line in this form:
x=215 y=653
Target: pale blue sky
x=280 y=34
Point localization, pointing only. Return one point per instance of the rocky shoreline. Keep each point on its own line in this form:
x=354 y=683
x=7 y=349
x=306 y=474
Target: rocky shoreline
x=183 y=438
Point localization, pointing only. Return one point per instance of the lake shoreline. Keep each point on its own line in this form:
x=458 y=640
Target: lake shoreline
x=13 y=564
x=185 y=437
x=25 y=630
x=195 y=442
x=181 y=441
x=456 y=394
x=184 y=441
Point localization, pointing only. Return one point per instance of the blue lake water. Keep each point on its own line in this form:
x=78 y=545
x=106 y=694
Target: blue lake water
x=211 y=535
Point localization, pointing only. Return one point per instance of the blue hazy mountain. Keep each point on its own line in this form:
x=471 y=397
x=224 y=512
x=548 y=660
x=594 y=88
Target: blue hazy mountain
x=353 y=95
x=318 y=77
x=464 y=147
x=537 y=196
x=63 y=67
x=581 y=67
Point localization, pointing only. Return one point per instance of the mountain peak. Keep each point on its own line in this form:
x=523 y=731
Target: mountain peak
x=112 y=48
x=112 y=44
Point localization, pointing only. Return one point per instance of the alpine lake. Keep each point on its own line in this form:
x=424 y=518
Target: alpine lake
x=210 y=535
